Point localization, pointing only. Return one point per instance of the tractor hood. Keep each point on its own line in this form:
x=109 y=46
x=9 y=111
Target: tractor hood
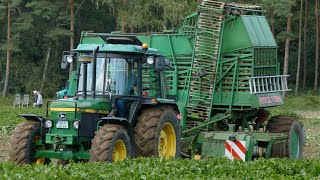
x=81 y=105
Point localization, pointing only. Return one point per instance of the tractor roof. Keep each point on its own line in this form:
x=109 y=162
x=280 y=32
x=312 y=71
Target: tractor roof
x=112 y=43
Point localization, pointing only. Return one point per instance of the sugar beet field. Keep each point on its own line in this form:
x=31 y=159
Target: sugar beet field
x=305 y=107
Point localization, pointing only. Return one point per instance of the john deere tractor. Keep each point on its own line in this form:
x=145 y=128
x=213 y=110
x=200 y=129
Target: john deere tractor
x=199 y=90
x=90 y=126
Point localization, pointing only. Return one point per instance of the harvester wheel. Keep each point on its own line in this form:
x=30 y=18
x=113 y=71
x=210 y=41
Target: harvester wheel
x=22 y=144
x=62 y=162
x=293 y=147
x=157 y=133
x=111 y=143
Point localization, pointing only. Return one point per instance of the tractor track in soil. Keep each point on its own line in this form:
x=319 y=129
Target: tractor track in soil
x=311 y=120
x=311 y=150
x=4 y=148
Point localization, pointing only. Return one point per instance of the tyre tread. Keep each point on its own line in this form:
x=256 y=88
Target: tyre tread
x=101 y=142
x=147 y=124
x=19 y=146
x=280 y=124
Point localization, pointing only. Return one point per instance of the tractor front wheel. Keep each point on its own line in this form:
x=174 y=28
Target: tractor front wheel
x=157 y=133
x=111 y=143
x=293 y=146
x=24 y=142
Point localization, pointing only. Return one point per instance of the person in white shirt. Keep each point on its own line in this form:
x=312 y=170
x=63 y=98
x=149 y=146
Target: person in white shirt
x=39 y=100
x=35 y=96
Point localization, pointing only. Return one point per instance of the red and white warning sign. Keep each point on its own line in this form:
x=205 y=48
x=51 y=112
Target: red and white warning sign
x=235 y=150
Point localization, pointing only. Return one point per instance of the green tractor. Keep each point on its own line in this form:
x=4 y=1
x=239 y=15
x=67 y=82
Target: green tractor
x=201 y=90
x=103 y=121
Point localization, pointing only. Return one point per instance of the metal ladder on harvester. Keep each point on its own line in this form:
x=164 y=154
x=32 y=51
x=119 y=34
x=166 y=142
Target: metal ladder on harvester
x=204 y=59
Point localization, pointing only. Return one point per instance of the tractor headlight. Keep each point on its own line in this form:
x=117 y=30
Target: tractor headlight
x=75 y=124
x=150 y=60
x=48 y=124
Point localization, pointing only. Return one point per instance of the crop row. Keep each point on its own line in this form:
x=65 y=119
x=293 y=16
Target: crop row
x=9 y=115
x=150 y=168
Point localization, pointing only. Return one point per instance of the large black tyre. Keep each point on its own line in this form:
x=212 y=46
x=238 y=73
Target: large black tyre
x=293 y=147
x=62 y=162
x=22 y=143
x=157 y=133
x=111 y=143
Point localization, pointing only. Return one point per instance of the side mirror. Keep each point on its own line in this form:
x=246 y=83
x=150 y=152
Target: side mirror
x=64 y=62
x=160 y=63
x=67 y=57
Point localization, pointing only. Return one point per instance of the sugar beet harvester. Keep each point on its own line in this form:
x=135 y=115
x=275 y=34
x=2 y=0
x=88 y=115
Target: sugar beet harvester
x=200 y=89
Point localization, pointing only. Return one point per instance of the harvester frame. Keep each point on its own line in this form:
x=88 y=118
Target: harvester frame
x=223 y=73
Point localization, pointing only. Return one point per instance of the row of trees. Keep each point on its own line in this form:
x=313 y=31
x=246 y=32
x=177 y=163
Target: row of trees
x=35 y=32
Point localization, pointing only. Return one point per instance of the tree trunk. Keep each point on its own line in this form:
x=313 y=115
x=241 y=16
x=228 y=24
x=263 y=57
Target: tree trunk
x=71 y=2
x=122 y=28
x=131 y=28
x=299 y=49
x=317 y=47
x=287 y=47
x=6 y=81
x=44 y=76
x=164 y=25
x=305 y=46
x=272 y=23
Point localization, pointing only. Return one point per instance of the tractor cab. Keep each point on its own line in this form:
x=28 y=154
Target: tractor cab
x=115 y=77
x=114 y=72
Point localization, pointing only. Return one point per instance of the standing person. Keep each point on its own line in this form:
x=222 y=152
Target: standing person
x=39 y=100
x=35 y=97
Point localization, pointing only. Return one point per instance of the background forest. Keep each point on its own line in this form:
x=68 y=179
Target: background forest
x=34 y=33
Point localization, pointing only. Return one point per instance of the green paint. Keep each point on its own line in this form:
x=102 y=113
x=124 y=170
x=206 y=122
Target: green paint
x=235 y=36
x=259 y=31
x=213 y=143
x=63 y=154
x=226 y=52
x=97 y=104
x=91 y=40
x=294 y=145
x=114 y=48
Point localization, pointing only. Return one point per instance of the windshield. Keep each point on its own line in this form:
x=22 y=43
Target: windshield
x=114 y=75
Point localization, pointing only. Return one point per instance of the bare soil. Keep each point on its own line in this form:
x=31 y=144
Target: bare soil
x=312 y=125
x=4 y=147
x=312 y=148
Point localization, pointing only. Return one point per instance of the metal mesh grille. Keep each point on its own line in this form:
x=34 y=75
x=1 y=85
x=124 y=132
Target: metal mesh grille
x=265 y=61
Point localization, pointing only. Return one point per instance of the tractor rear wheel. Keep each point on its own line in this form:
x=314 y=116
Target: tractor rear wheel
x=293 y=147
x=111 y=143
x=23 y=144
x=157 y=133
x=62 y=162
